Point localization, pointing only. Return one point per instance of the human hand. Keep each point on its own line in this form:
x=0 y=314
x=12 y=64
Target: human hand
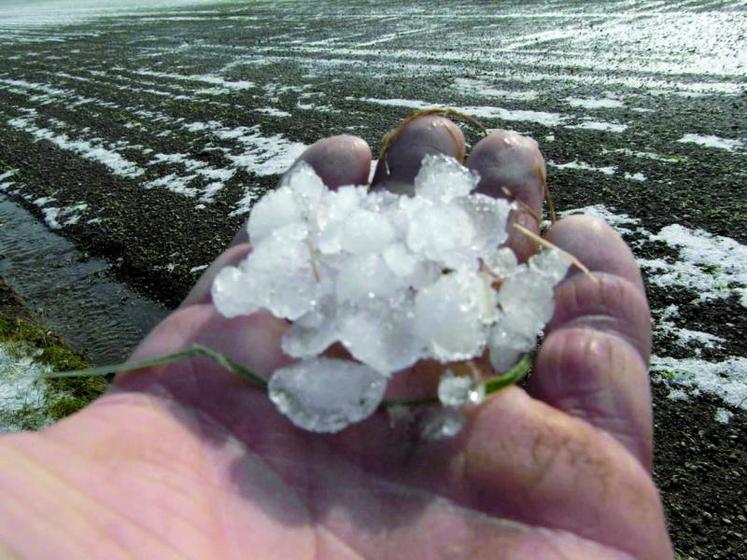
x=188 y=461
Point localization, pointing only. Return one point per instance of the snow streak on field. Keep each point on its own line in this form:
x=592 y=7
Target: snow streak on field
x=153 y=126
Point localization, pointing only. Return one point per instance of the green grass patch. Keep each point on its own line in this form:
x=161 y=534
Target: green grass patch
x=23 y=337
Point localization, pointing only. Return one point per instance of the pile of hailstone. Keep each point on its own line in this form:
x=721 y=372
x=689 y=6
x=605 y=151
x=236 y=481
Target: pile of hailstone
x=393 y=278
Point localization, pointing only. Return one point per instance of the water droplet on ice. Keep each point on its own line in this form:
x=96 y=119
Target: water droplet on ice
x=326 y=394
x=442 y=423
x=453 y=390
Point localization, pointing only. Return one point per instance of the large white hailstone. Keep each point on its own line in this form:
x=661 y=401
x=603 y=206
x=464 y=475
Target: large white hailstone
x=442 y=179
x=332 y=215
x=306 y=185
x=395 y=279
x=363 y=277
x=448 y=316
x=312 y=333
x=284 y=277
x=380 y=335
x=326 y=394
x=501 y=262
x=440 y=232
x=489 y=217
x=234 y=293
x=506 y=345
x=273 y=211
x=459 y=390
x=366 y=232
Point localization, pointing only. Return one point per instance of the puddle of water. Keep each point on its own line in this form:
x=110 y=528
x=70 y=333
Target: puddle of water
x=75 y=296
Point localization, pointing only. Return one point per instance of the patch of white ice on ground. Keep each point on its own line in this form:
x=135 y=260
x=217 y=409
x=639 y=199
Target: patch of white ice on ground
x=723 y=416
x=595 y=103
x=711 y=265
x=644 y=155
x=620 y=221
x=23 y=396
x=480 y=112
x=583 y=166
x=666 y=325
x=57 y=218
x=93 y=149
x=216 y=177
x=482 y=88
x=727 y=379
x=273 y=112
x=634 y=176
x=599 y=125
x=728 y=144
x=221 y=83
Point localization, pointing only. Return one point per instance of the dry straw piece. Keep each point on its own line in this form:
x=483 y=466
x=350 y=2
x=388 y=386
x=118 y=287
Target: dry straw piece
x=545 y=243
x=392 y=135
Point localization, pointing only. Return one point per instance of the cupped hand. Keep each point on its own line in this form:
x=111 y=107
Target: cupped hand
x=187 y=461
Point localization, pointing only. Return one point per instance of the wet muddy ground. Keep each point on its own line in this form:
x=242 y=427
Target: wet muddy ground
x=144 y=135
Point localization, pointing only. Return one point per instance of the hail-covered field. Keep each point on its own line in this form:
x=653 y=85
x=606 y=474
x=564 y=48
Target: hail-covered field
x=145 y=131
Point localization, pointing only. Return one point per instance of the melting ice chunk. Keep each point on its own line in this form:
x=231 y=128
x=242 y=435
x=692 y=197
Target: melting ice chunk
x=506 y=345
x=284 y=278
x=273 y=211
x=442 y=179
x=313 y=332
x=552 y=263
x=439 y=232
x=489 y=217
x=331 y=215
x=458 y=391
x=501 y=261
x=233 y=293
x=326 y=394
x=379 y=334
x=362 y=277
x=306 y=186
x=527 y=298
x=449 y=316
x=366 y=232
x=441 y=423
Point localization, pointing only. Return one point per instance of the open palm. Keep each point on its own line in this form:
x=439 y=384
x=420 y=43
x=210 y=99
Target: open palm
x=187 y=461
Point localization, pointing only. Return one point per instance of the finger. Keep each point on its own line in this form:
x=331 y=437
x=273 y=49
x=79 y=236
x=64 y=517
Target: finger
x=338 y=160
x=535 y=464
x=251 y=340
x=426 y=135
x=511 y=166
x=593 y=362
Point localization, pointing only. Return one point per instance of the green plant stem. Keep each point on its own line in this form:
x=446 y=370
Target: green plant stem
x=196 y=350
x=492 y=385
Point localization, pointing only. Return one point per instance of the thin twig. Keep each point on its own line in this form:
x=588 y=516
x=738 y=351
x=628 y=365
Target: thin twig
x=523 y=205
x=550 y=204
x=581 y=266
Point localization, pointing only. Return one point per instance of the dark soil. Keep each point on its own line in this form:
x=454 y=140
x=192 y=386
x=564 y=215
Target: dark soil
x=700 y=467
